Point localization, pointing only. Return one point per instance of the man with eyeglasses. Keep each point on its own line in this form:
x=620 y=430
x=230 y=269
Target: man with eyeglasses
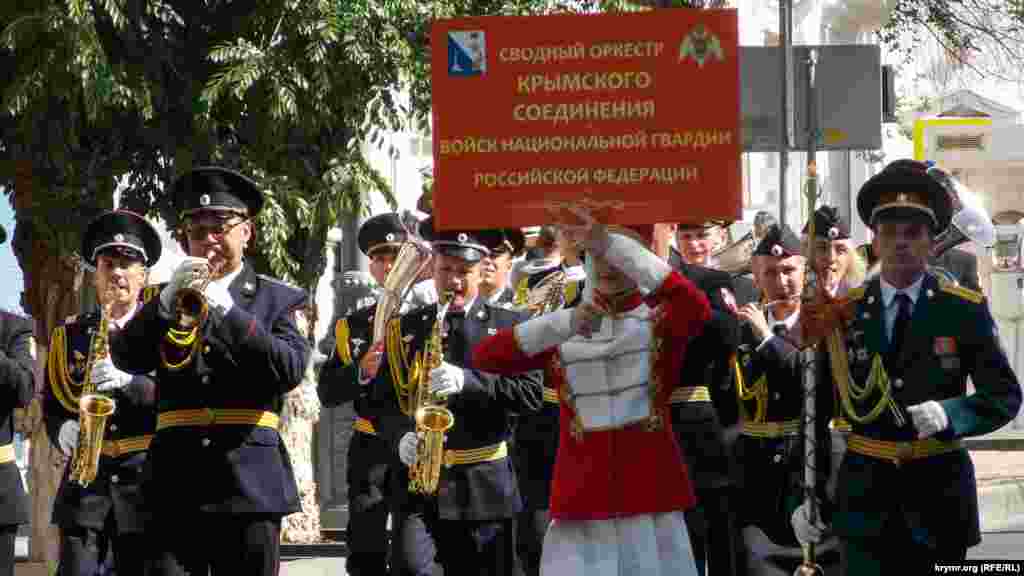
x=17 y=352
x=109 y=513
x=219 y=477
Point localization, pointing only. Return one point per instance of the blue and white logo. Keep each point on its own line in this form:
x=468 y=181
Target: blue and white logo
x=467 y=53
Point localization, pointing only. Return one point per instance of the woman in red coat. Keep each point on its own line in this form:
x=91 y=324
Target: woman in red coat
x=620 y=485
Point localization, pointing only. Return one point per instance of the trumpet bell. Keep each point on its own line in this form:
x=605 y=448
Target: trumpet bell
x=192 y=309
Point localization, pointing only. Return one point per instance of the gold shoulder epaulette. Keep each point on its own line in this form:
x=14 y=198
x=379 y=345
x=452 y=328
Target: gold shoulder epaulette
x=341 y=335
x=149 y=292
x=965 y=293
x=856 y=293
x=571 y=290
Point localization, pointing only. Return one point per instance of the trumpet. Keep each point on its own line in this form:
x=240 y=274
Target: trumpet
x=190 y=306
x=190 y=313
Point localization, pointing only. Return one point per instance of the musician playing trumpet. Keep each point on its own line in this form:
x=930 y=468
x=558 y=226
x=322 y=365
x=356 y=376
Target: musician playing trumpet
x=226 y=349
x=109 y=513
x=468 y=525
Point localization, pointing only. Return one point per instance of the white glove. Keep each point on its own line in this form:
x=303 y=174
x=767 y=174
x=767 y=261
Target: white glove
x=218 y=297
x=447 y=379
x=805 y=531
x=354 y=278
x=67 y=438
x=184 y=275
x=407 y=448
x=929 y=418
x=107 y=377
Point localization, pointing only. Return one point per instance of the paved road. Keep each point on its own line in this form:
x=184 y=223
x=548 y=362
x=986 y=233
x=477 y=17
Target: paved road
x=1004 y=545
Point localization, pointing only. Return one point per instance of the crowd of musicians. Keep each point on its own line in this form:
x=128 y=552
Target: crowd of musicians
x=616 y=403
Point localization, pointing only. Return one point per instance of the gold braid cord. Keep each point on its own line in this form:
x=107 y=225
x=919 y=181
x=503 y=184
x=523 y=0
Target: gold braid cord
x=758 y=392
x=65 y=388
x=398 y=361
x=341 y=344
x=849 y=390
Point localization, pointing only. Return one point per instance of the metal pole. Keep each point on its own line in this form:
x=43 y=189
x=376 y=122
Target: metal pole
x=813 y=286
x=785 y=72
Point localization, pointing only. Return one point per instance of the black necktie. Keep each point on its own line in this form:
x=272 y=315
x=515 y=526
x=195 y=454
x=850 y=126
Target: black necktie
x=899 y=327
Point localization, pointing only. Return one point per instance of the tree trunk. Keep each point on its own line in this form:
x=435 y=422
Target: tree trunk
x=301 y=411
x=51 y=293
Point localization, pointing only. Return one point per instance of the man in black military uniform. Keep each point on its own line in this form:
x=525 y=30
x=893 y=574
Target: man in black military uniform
x=704 y=417
x=369 y=456
x=906 y=494
x=696 y=244
x=219 y=478
x=107 y=512
x=18 y=385
x=769 y=452
x=468 y=526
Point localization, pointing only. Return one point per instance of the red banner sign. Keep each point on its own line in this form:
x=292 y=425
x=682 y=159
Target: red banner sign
x=635 y=115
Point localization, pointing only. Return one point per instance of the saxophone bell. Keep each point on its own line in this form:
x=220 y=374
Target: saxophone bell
x=431 y=417
x=93 y=409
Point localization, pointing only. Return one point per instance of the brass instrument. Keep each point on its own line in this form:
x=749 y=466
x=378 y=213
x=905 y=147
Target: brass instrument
x=412 y=258
x=190 y=313
x=970 y=219
x=93 y=409
x=432 y=418
x=735 y=258
x=547 y=295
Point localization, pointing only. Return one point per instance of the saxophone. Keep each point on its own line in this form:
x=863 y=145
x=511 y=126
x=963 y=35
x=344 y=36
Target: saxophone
x=431 y=416
x=93 y=409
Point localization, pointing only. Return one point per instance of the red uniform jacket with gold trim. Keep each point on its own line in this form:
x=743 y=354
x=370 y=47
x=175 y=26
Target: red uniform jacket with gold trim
x=637 y=468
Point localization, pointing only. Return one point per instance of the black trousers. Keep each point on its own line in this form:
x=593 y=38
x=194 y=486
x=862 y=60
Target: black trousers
x=83 y=552
x=895 y=549
x=215 y=544
x=531 y=527
x=369 y=495
x=8 y=534
x=715 y=534
x=425 y=545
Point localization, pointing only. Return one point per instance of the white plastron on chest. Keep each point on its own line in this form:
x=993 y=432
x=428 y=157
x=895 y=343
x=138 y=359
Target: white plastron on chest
x=608 y=373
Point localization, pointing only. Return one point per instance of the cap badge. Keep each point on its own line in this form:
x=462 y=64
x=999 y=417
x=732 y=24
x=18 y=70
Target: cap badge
x=777 y=250
x=833 y=233
x=463 y=238
x=204 y=200
x=118 y=237
x=390 y=237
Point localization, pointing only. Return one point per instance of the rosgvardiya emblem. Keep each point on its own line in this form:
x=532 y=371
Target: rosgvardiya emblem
x=702 y=46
